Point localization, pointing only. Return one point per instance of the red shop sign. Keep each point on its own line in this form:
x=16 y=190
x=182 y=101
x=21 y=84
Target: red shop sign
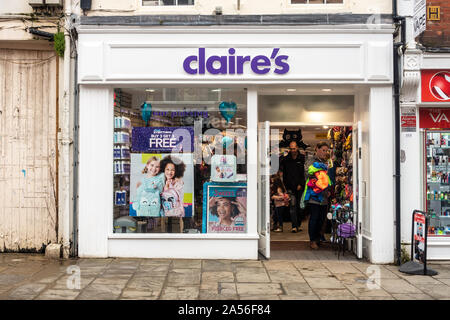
x=434 y=118
x=435 y=85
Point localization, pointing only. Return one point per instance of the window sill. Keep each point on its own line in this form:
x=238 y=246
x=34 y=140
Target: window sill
x=176 y=236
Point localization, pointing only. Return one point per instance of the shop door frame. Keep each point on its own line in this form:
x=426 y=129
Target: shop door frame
x=359 y=188
x=264 y=188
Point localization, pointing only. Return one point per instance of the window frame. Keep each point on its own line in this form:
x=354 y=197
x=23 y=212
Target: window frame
x=162 y=5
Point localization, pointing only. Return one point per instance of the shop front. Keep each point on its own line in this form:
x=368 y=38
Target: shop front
x=434 y=122
x=174 y=138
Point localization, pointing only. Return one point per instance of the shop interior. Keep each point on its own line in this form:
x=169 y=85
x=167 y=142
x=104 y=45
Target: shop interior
x=309 y=119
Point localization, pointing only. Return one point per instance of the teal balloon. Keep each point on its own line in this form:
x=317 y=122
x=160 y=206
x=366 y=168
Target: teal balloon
x=146 y=112
x=228 y=110
x=227 y=141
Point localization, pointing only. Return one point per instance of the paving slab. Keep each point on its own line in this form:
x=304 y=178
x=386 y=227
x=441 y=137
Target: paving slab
x=341 y=267
x=217 y=265
x=279 y=265
x=441 y=291
x=324 y=283
x=120 y=281
x=362 y=290
x=186 y=264
x=146 y=284
x=258 y=289
x=56 y=294
x=180 y=293
x=289 y=297
x=296 y=288
x=155 y=262
x=7 y=279
x=213 y=295
x=27 y=291
x=130 y=294
x=414 y=280
x=69 y=283
x=184 y=277
x=251 y=275
x=286 y=275
x=415 y=297
x=247 y=264
x=256 y=297
x=375 y=298
x=398 y=286
x=218 y=276
x=378 y=270
x=227 y=288
x=100 y=292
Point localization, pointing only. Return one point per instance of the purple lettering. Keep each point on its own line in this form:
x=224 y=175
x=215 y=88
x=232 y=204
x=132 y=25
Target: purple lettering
x=223 y=65
x=231 y=61
x=282 y=64
x=260 y=61
x=201 y=60
x=240 y=63
x=187 y=65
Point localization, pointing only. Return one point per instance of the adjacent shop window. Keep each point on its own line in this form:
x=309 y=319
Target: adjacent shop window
x=167 y=2
x=437 y=150
x=316 y=1
x=180 y=160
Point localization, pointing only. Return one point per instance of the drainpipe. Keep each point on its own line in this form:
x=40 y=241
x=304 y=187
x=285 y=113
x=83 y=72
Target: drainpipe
x=397 y=47
x=75 y=159
x=65 y=138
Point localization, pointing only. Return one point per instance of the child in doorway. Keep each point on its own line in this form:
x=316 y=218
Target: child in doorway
x=281 y=201
x=172 y=195
x=148 y=200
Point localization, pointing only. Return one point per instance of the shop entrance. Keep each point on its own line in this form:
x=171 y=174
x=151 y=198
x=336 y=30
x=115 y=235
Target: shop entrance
x=287 y=153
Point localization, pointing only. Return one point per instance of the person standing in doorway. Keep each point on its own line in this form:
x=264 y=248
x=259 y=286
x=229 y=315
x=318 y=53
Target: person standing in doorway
x=316 y=193
x=293 y=168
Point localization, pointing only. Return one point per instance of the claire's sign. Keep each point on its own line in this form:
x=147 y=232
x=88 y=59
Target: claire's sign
x=234 y=63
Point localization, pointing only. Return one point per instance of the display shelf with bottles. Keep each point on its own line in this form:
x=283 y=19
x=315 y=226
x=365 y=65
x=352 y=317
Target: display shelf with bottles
x=437 y=151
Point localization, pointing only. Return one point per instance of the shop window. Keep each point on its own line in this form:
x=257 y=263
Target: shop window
x=180 y=160
x=316 y=1
x=167 y=2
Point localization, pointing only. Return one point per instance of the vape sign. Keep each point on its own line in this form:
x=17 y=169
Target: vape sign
x=434 y=118
x=435 y=85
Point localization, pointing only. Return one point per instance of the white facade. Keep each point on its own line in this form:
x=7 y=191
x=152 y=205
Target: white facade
x=356 y=58
x=233 y=7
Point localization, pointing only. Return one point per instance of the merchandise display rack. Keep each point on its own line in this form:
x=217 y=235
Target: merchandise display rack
x=122 y=128
x=437 y=156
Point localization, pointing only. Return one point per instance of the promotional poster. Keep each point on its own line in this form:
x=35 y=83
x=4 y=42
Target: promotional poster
x=162 y=139
x=419 y=237
x=161 y=185
x=224 y=207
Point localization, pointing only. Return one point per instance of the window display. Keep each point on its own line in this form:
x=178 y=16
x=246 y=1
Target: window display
x=437 y=152
x=168 y=144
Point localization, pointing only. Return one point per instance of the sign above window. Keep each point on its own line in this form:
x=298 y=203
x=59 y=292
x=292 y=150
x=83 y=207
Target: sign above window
x=435 y=85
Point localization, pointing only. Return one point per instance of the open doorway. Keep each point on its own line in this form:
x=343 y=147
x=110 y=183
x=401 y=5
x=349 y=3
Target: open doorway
x=308 y=120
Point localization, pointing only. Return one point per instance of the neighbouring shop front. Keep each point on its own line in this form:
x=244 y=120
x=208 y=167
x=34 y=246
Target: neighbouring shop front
x=175 y=131
x=434 y=122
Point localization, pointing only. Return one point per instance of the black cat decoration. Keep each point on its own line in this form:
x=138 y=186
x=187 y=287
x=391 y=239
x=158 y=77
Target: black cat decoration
x=292 y=135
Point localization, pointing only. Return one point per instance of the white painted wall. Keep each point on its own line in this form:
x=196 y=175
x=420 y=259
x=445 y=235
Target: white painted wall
x=229 y=7
x=382 y=197
x=15 y=7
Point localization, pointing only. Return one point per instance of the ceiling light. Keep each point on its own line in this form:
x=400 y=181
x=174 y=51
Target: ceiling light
x=291 y=90
x=150 y=90
x=216 y=90
x=325 y=127
x=326 y=90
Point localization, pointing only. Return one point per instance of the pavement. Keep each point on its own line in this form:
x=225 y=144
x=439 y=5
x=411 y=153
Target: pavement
x=34 y=277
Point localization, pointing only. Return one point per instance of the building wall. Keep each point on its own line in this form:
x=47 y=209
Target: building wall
x=230 y=7
x=438 y=32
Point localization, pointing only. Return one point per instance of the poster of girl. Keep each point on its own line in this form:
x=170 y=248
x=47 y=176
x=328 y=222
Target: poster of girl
x=227 y=209
x=147 y=201
x=173 y=192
